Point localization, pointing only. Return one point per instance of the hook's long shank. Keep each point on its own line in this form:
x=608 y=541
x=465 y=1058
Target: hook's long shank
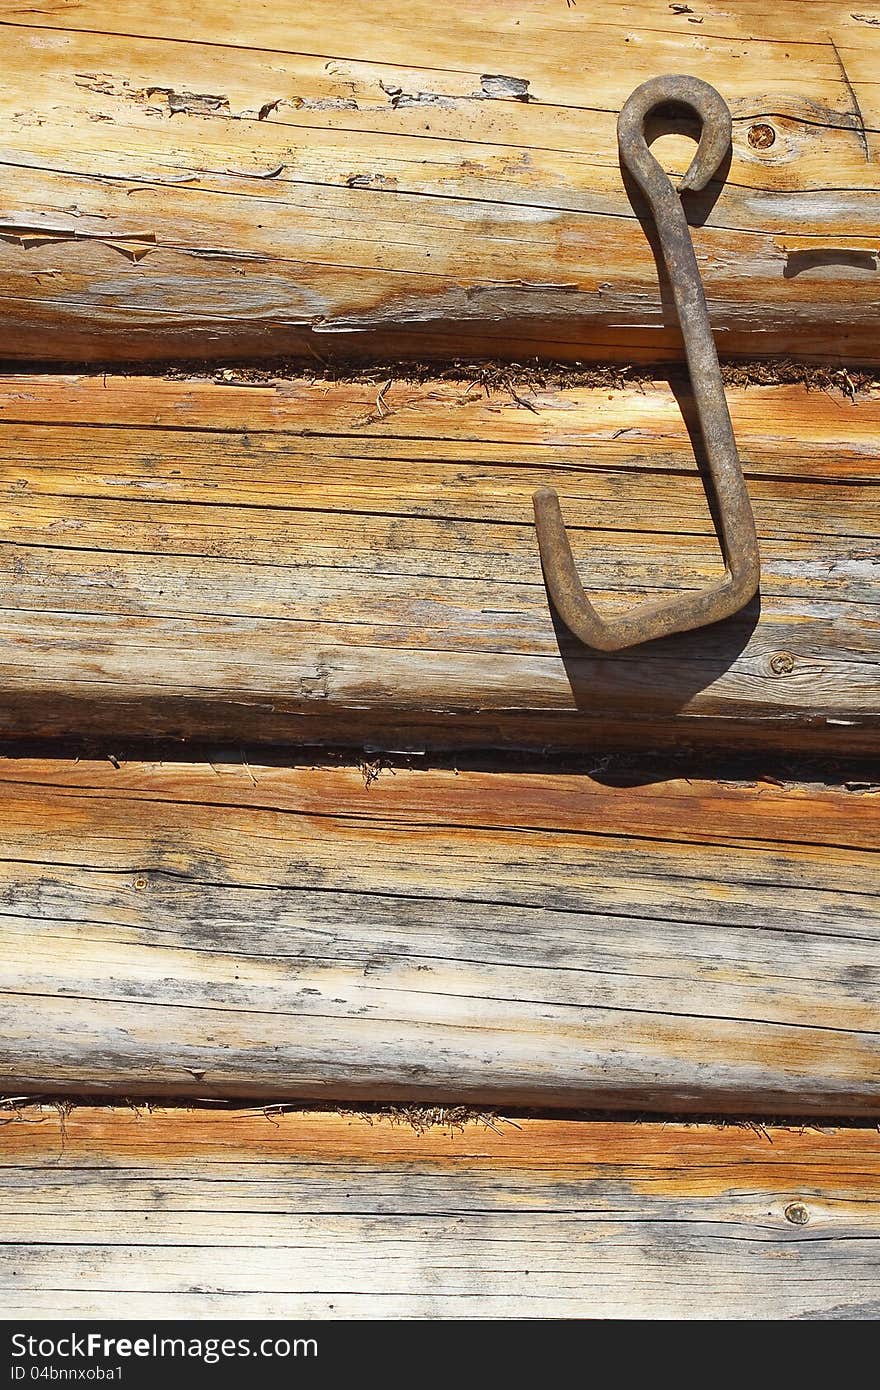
x=739 y=542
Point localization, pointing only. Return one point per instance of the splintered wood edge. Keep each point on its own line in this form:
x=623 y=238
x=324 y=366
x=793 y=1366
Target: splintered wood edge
x=704 y=1153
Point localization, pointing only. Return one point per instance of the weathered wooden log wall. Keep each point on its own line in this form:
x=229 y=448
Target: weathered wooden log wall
x=175 y=1214
x=227 y=180
x=308 y=561
x=299 y=306
x=525 y=939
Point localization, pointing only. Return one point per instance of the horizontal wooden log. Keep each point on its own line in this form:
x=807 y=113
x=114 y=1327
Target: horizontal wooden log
x=521 y=939
x=381 y=179
x=309 y=561
x=180 y=1214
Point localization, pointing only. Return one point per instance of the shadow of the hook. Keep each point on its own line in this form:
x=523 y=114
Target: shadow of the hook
x=662 y=676
x=797 y=262
x=681 y=390
x=697 y=209
x=697 y=206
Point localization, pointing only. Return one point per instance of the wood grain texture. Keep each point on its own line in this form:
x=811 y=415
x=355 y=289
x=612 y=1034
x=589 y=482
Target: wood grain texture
x=186 y=1214
x=307 y=561
x=513 y=938
x=230 y=180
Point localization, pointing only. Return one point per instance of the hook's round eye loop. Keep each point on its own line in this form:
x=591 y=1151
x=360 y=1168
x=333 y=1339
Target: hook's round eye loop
x=697 y=96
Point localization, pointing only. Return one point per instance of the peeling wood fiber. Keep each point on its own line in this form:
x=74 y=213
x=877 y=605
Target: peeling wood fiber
x=245 y=1215
x=349 y=562
x=506 y=938
x=233 y=182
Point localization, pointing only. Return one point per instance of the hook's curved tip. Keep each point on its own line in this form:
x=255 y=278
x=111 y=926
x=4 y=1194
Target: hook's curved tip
x=699 y=97
x=694 y=181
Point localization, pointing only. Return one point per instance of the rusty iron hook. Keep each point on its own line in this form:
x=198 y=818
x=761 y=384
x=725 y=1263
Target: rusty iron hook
x=739 y=542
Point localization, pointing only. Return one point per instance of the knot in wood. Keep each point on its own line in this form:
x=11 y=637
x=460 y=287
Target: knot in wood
x=782 y=664
x=761 y=137
x=797 y=1214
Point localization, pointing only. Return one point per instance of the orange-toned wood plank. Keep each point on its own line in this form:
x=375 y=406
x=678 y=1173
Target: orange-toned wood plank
x=315 y=561
x=387 y=180
x=245 y=1214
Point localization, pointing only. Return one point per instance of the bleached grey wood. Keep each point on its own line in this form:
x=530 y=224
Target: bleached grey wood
x=185 y=1214
x=245 y=930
